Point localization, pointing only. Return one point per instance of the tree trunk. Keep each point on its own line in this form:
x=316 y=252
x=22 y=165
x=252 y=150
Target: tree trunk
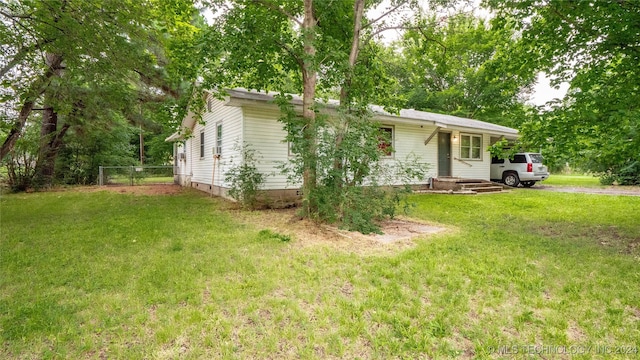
x=309 y=79
x=54 y=66
x=345 y=98
x=50 y=138
x=358 y=12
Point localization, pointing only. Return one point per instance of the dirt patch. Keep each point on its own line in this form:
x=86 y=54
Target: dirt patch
x=398 y=234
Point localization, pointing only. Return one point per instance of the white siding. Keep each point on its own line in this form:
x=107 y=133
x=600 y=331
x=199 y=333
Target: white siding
x=477 y=169
x=258 y=127
x=409 y=142
x=202 y=169
x=265 y=134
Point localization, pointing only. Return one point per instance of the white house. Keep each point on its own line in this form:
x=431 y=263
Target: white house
x=453 y=146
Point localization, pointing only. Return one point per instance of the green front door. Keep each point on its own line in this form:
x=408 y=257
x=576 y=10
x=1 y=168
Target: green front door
x=444 y=154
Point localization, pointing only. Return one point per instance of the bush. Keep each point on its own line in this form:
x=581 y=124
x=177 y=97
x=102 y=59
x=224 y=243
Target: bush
x=624 y=175
x=244 y=178
x=354 y=178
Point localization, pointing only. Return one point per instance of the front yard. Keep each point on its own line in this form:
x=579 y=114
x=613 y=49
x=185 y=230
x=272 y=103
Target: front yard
x=110 y=275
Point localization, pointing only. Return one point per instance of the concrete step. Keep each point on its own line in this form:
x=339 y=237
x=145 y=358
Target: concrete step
x=476 y=185
x=487 y=189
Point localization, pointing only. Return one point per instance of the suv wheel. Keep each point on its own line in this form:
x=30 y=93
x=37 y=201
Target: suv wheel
x=510 y=179
x=528 y=183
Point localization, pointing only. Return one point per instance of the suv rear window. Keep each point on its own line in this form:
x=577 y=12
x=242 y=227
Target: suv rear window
x=536 y=158
x=519 y=159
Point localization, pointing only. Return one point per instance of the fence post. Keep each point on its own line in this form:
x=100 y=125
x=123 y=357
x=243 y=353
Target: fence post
x=131 y=175
x=100 y=174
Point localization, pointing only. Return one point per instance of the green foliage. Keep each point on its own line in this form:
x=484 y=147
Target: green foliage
x=21 y=162
x=267 y=234
x=591 y=45
x=355 y=175
x=244 y=178
x=625 y=175
x=500 y=149
x=88 y=148
x=462 y=65
x=114 y=66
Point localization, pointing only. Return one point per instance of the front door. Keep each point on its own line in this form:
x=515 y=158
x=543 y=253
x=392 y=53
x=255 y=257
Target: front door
x=444 y=154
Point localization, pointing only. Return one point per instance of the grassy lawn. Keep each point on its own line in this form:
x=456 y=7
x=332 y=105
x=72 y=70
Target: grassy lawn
x=110 y=275
x=573 y=180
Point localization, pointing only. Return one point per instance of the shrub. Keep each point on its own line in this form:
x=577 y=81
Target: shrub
x=244 y=178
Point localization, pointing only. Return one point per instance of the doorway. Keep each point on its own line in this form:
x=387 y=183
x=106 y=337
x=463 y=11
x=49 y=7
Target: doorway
x=444 y=154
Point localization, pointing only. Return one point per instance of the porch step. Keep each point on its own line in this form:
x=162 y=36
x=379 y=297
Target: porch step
x=468 y=186
x=481 y=187
x=487 y=189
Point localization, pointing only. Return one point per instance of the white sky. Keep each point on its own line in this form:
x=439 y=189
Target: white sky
x=543 y=92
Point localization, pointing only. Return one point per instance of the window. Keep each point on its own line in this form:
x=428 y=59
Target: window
x=385 y=140
x=202 y=144
x=519 y=159
x=209 y=106
x=536 y=158
x=219 y=139
x=497 y=160
x=470 y=147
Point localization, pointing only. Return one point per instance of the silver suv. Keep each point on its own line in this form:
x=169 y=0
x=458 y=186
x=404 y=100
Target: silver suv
x=524 y=168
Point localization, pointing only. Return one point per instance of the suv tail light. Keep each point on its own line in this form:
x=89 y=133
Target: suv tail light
x=529 y=167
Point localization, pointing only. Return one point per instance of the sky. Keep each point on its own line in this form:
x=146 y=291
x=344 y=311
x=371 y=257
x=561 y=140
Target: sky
x=543 y=92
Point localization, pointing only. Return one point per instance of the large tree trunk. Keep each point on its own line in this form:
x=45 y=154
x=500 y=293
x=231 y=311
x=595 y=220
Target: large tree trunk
x=309 y=79
x=50 y=137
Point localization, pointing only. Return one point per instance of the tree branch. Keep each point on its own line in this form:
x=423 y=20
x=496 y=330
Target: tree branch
x=278 y=9
x=19 y=56
x=400 y=4
x=291 y=52
x=37 y=89
x=383 y=29
x=154 y=81
x=13 y=16
x=419 y=28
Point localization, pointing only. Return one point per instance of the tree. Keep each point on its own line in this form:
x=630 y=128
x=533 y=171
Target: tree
x=80 y=62
x=594 y=46
x=322 y=47
x=462 y=65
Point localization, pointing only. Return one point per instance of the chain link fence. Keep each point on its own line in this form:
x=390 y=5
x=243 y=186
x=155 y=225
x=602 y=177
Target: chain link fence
x=135 y=175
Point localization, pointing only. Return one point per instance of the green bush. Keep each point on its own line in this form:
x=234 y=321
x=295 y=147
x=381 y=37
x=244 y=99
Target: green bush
x=353 y=185
x=245 y=179
x=624 y=175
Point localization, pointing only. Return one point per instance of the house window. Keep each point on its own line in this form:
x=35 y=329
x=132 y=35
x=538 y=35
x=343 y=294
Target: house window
x=202 y=144
x=385 y=140
x=470 y=147
x=209 y=106
x=219 y=139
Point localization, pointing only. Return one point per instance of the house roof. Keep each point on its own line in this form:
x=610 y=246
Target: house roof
x=242 y=97
x=442 y=120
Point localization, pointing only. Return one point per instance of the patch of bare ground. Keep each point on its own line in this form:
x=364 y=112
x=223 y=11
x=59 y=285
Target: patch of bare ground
x=397 y=234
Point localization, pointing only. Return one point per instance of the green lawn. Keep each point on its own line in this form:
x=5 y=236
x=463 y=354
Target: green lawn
x=573 y=180
x=117 y=276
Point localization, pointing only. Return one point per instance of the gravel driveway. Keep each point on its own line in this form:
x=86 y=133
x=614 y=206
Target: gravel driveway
x=612 y=190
